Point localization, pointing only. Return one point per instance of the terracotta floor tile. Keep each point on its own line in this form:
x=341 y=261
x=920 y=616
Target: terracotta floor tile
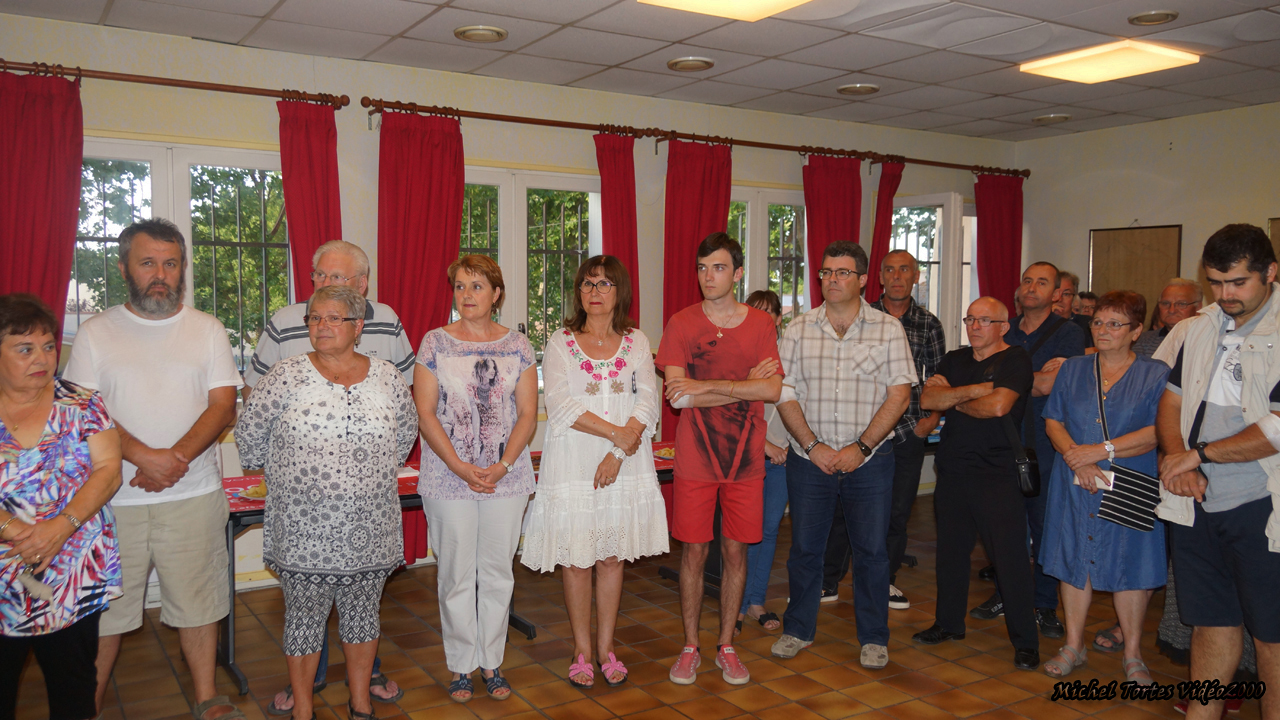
x=1034 y=682
x=157 y=707
x=661 y=713
x=876 y=694
x=915 y=684
x=628 y=701
x=997 y=691
x=1042 y=709
x=838 y=677
x=585 y=709
x=550 y=694
x=794 y=687
x=485 y=707
x=708 y=708
x=424 y=697
x=673 y=694
x=833 y=706
x=916 y=710
x=453 y=711
x=960 y=703
x=790 y=711
x=754 y=697
x=528 y=675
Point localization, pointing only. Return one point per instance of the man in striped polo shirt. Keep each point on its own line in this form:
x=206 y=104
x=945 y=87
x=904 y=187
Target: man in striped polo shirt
x=335 y=263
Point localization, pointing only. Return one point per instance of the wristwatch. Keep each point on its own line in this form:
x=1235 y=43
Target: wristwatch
x=505 y=464
x=1110 y=448
x=1199 y=448
x=866 y=450
x=618 y=453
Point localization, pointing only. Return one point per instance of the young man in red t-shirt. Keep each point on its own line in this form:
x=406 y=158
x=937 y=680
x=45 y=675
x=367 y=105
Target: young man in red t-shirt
x=720 y=360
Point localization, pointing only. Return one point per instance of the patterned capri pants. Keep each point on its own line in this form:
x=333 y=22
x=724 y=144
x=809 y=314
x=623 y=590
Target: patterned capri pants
x=308 y=600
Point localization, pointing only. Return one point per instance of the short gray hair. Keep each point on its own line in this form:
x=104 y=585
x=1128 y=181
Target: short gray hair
x=849 y=249
x=351 y=250
x=342 y=294
x=157 y=229
x=1183 y=282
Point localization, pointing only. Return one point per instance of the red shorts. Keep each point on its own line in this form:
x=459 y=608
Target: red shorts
x=741 y=510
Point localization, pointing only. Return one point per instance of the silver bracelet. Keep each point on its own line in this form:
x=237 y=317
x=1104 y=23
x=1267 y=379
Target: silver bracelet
x=812 y=445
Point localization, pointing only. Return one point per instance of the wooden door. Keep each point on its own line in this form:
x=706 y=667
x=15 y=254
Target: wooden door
x=1141 y=259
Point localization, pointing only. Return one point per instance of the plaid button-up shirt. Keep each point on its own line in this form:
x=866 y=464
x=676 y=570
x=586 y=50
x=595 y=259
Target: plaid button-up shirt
x=841 y=383
x=928 y=345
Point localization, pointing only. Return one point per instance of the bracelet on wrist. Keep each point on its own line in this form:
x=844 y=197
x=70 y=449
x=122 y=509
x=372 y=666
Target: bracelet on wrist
x=75 y=521
x=811 y=446
x=5 y=525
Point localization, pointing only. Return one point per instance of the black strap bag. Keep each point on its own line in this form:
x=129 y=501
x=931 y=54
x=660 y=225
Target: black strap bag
x=1132 y=499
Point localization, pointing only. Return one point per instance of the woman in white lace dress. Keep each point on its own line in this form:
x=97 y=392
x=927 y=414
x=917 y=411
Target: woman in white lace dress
x=598 y=504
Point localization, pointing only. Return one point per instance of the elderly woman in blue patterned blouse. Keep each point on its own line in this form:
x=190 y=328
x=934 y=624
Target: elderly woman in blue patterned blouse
x=332 y=428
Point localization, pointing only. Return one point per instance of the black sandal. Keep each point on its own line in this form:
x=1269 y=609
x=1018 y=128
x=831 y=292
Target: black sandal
x=493 y=684
x=273 y=710
x=381 y=680
x=462 y=684
x=351 y=713
x=768 y=617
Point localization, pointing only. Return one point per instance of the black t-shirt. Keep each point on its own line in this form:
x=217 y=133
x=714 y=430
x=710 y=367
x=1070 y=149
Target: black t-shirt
x=981 y=443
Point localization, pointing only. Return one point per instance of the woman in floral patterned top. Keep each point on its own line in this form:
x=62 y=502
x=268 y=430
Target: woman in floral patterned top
x=59 y=465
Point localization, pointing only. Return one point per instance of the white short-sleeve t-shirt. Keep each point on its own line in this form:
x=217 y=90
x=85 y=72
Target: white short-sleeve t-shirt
x=155 y=376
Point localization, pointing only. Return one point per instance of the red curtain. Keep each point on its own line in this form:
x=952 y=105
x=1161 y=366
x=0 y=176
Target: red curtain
x=616 y=159
x=41 y=150
x=998 y=201
x=698 y=181
x=890 y=179
x=420 y=189
x=833 y=209
x=309 y=161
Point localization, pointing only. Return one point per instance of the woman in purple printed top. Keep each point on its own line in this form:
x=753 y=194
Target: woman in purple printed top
x=476 y=386
x=59 y=465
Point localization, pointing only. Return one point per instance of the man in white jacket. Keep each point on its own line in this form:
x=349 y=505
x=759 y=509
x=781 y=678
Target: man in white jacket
x=1218 y=425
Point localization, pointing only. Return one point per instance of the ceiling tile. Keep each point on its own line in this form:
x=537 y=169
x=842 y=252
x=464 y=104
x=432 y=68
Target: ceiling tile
x=651 y=21
x=257 y=8
x=539 y=70
x=725 y=61
x=1042 y=9
x=779 y=75
x=1113 y=17
x=715 y=93
x=1231 y=84
x=85 y=11
x=855 y=52
x=1194 y=107
x=1208 y=67
x=1141 y=100
x=860 y=112
x=950 y=25
x=764 y=37
x=1228 y=32
x=173 y=20
x=1069 y=93
x=1002 y=82
x=981 y=128
x=633 y=82
x=312 y=40
x=440 y=26
x=1076 y=113
x=828 y=88
x=938 y=66
x=791 y=103
x=1034 y=42
x=556 y=11
x=997 y=107
x=381 y=17
x=854 y=15
x=1034 y=133
x=594 y=46
x=929 y=97
x=1257 y=97
x=923 y=120
x=1102 y=121
x=434 y=56
x=1265 y=54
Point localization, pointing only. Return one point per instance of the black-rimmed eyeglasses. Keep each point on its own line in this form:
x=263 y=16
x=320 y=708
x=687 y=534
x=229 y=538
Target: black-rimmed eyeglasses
x=603 y=286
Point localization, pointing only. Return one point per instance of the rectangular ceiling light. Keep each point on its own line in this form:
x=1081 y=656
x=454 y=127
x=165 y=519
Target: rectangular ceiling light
x=748 y=10
x=1110 y=62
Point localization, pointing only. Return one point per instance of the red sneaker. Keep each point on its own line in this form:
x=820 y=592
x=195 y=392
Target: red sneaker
x=685 y=671
x=1232 y=706
x=735 y=673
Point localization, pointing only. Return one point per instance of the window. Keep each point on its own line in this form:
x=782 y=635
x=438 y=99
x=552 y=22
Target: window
x=738 y=231
x=786 y=259
x=558 y=241
x=480 y=221
x=934 y=230
x=113 y=195
x=771 y=228
x=915 y=229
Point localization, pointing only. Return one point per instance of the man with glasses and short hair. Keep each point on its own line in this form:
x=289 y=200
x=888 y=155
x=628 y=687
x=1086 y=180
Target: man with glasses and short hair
x=336 y=263
x=1180 y=300
x=848 y=381
x=977 y=493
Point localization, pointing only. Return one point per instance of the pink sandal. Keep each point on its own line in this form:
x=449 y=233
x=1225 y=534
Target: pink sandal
x=582 y=667
x=613 y=666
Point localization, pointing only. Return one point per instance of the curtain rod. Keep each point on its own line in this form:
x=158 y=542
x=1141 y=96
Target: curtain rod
x=337 y=101
x=378 y=106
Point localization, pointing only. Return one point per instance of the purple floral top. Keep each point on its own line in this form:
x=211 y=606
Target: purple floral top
x=36 y=484
x=477 y=407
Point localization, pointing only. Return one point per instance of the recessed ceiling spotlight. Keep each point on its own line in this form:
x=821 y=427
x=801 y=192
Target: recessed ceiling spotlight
x=858 y=89
x=1155 y=17
x=480 y=34
x=1051 y=119
x=690 y=64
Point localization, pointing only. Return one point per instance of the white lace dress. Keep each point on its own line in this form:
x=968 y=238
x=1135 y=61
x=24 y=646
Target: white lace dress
x=570 y=521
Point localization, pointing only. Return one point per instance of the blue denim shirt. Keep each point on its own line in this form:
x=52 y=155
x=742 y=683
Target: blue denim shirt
x=1067 y=341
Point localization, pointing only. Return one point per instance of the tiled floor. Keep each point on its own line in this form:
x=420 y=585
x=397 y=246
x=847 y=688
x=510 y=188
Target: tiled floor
x=972 y=678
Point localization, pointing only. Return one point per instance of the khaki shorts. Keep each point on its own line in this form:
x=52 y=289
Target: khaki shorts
x=186 y=542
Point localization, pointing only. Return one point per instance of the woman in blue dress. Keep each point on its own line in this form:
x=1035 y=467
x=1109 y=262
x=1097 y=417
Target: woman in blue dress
x=1082 y=550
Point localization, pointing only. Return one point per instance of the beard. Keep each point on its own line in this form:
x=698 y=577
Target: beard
x=150 y=305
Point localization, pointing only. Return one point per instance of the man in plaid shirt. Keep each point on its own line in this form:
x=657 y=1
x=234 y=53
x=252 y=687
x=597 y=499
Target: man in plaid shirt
x=899 y=273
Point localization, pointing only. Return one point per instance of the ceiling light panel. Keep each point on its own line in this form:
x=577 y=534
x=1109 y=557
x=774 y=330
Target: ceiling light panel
x=950 y=25
x=746 y=10
x=855 y=15
x=1112 y=61
x=651 y=21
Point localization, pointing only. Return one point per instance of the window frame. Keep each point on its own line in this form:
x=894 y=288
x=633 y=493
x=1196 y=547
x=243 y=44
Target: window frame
x=756 y=246
x=950 y=257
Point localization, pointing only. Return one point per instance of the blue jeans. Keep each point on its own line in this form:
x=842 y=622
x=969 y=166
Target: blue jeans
x=866 y=495
x=1046 y=586
x=760 y=555
x=323 y=668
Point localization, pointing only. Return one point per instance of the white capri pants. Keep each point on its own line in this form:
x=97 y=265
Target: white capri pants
x=475 y=543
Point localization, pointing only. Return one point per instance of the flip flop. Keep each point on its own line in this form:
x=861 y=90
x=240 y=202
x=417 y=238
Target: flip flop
x=769 y=617
x=272 y=709
x=1116 y=646
x=377 y=681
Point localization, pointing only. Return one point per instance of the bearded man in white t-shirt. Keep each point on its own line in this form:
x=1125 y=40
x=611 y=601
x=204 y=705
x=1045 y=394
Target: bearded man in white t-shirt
x=169 y=381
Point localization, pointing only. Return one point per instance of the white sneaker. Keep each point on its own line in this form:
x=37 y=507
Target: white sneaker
x=897 y=600
x=829 y=596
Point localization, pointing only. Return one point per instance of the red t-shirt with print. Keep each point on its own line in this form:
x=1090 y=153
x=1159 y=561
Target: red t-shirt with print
x=726 y=443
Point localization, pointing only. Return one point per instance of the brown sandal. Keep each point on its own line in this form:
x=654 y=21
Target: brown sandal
x=220 y=701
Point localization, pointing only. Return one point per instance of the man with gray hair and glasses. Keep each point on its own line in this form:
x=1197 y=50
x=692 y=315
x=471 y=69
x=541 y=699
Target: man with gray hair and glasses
x=335 y=263
x=168 y=378
x=1180 y=299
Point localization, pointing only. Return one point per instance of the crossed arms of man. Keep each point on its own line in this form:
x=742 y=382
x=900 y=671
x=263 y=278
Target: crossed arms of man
x=762 y=384
x=980 y=400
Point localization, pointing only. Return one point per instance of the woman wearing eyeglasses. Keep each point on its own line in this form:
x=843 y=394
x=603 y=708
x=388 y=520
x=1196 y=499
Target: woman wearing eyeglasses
x=598 y=504
x=1081 y=549
x=332 y=428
